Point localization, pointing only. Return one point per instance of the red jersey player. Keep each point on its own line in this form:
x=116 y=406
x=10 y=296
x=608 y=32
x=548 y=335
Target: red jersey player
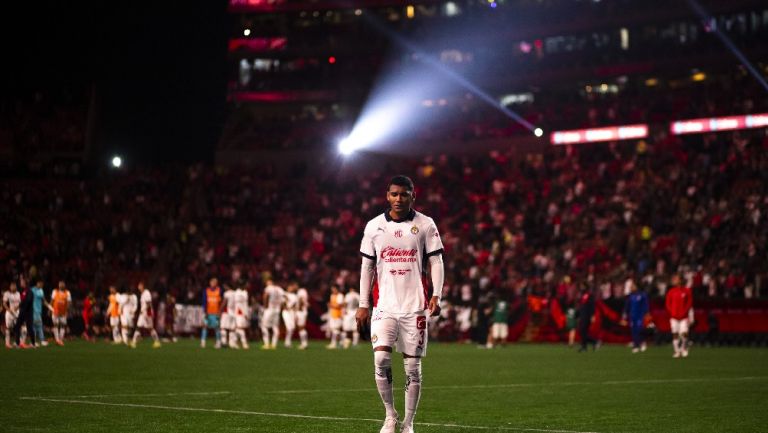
x=679 y=303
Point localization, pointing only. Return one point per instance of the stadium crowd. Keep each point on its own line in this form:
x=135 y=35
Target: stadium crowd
x=542 y=224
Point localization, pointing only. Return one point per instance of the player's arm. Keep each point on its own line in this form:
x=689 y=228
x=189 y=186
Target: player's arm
x=367 y=272
x=264 y=299
x=437 y=272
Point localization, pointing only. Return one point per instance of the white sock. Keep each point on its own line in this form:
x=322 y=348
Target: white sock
x=275 y=336
x=334 y=338
x=382 y=362
x=136 y=334
x=62 y=331
x=232 y=341
x=125 y=335
x=243 y=339
x=7 y=337
x=676 y=344
x=355 y=338
x=265 y=335
x=288 y=337
x=225 y=336
x=116 y=334
x=412 y=388
x=303 y=336
x=155 y=336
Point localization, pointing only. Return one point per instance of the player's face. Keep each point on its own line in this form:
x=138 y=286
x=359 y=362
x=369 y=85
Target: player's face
x=675 y=280
x=62 y=286
x=141 y=287
x=112 y=290
x=214 y=282
x=400 y=199
x=12 y=287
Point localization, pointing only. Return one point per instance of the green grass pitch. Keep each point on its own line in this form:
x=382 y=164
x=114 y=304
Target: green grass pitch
x=86 y=387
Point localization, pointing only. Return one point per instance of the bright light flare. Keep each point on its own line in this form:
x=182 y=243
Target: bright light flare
x=117 y=162
x=538 y=132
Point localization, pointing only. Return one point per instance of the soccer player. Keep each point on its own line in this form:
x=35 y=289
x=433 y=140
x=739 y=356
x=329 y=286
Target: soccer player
x=290 y=303
x=212 y=307
x=228 y=336
x=38 y=301
x=585 y=316
x=241 y=317
x=335 y=314
x=87 y=314
x=679 y=302
x=170 y=316
x=113 y=312
x=272 y=301
x=128 y=303
x=349 y=325
x=146 y=314
x=301 y=316
x=500 y=323
x=635 y=310
x=395 y=248
x=60 y=300
x=11 y=302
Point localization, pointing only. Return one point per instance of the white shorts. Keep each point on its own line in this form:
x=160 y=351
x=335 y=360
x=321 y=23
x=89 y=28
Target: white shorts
x=59 y=320
x=126 y=320
x=227 y=321
x=499 y=331
x=350 y=324
x=114 y=321
x=10 y=319
x=145 y=321
x=271 y=318
x=406 y=332
x=334 y=324
x=241 y=322
x=289 y=318
x=679 y=326
x=301 y=318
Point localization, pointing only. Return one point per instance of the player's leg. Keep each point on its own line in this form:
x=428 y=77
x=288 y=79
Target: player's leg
x=412 y=342
x=290 y=323
x=9 y=323
x=204 y=332
x=217 y=330
x=275 y=332
x=675 y=328
x=114 y=322
x=383 y=336
x=301 y=322
x=684 y=338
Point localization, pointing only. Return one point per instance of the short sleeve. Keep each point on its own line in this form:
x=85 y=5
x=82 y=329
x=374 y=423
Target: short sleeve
x=367 y=247
x=433 y=243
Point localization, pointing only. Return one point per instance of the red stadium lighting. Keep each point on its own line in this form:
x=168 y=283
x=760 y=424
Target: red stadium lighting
x=331 y=60
x=611 y=133
x=712 y=124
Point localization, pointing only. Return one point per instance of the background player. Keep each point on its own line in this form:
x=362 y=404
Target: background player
x=679 y=302
x=349 y=325
x=290 y=304
x=301 y=316
x=635 y=310
x=270 y=320
x=228 y=336
x=146 y=315
x=11 y=302
x=128 y=303
x=335 y=314
x=241 y=317
x=61 y=299
x=113 y=313
x=212 y=299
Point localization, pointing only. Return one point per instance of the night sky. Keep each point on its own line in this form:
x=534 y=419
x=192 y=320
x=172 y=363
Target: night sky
x=159 y=69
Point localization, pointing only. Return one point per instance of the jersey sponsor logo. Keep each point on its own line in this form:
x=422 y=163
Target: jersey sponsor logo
x=398 y=255
x=398 y=233
x=415 y=230
x=399 y=271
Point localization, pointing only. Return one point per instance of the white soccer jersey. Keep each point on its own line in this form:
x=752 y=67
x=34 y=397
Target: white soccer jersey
x=274 y=296
x=129 y=305
x=13 y=299
x=229 y=298
x=303 y=298
x=241 y=302
x=400 y=249
x=291 y=301
x=146 y=302
x=351 y=302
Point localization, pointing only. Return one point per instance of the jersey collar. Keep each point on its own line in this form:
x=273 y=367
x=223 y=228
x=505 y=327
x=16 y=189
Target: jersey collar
x=411 y=215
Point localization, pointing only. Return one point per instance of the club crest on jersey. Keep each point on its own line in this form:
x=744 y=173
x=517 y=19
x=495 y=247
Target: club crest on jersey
x=374 y=338
x=399 y=234
x=415 y=230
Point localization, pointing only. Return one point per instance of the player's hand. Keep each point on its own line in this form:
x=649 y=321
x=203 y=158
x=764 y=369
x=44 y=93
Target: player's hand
x=434 y=306
x=361 y=317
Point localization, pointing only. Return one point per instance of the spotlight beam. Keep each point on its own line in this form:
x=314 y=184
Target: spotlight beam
x=453 y=75
x=699 y=9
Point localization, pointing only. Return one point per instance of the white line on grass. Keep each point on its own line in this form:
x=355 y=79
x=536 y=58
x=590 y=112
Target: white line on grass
x=288 y=415
x=170 y=394
x=524 y=385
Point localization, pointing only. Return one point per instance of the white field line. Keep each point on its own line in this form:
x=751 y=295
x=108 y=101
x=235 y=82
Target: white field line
x=170 y=394
x=527 y=385
x=289 y=415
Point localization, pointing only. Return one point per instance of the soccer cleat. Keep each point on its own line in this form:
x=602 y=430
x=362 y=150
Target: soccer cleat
x=676 y=355
x=217 y=345
x=390 y=425
x=635 y=350
x=59 y=342
x=406 y=429
x=265 y=347
x=156 y=345
x=133 y=344
x=303 y=347
x=330 y=347
x=202 y=344
x=685 y=353
x=8 y=346
x=643 y=347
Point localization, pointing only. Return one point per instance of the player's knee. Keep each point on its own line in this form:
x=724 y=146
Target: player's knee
x=412 y=370
x=382 y=362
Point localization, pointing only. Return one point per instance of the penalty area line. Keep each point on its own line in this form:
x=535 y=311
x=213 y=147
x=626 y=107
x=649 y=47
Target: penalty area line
x=169 y=394
x=290 y=415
